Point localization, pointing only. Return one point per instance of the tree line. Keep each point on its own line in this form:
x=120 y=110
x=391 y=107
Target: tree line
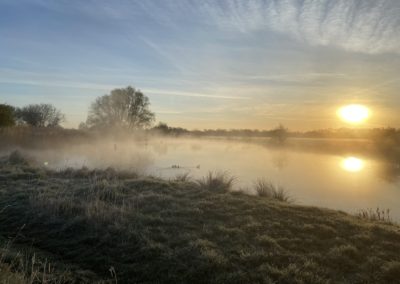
x=36 y=115
x=122 y=109
x=129 y=109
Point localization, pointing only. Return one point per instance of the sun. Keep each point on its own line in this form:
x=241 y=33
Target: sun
x=353 y=113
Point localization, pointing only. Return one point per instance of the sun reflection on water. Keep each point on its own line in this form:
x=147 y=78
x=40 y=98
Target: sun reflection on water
x=352 y=164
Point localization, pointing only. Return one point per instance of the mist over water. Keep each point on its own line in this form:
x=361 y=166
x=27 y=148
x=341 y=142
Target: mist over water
x=333 y=181
x=347 y=183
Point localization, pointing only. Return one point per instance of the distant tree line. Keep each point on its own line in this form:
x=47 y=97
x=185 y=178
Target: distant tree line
x=127 y=109
x=163 y=128
x=122 y=109
x=280 y=132
x=36 y=115
x=354 y=133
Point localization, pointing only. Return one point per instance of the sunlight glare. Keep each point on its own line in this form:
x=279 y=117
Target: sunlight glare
x=353 y=113
x=352 y=164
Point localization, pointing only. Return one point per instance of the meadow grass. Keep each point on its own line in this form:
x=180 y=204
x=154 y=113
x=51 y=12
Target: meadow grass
x=24 y=266
x=104 y=226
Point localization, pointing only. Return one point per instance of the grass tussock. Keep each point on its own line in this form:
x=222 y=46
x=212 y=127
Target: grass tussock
x=217 y=181
x=185 y=177
x=378 y=214
x=107 y=228
x=267 y=189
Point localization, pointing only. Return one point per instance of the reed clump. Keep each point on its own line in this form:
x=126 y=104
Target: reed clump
x=376 y=214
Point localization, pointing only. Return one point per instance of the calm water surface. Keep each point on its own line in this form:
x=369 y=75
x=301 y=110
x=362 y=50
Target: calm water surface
x=348 y=183
x=341 y=182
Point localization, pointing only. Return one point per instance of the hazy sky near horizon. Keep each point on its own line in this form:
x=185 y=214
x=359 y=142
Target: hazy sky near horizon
x=207 y=64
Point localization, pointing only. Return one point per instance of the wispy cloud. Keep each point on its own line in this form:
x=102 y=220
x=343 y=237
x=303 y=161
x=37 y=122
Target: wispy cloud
x=34 y=81
x=192 y=94
x=376 y=87
x=367 y=26
x=63 y=84
x=364 y=26
x=289 y=78
x=162 y=53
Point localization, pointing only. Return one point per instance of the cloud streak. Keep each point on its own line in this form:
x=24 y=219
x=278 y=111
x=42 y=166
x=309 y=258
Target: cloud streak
x=106 y=87
x=367 y=26
x=196 y=95
x=361 y=26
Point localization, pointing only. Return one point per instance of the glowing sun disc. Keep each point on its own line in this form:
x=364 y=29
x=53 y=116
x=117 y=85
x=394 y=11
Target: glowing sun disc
x=353 y=164
x=353 y=113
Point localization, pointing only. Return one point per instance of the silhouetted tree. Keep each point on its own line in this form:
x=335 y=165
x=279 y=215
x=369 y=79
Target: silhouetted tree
x=40 y=115
x=7 y=117
x=279 y=134
x=162 y=127
x=125 y=108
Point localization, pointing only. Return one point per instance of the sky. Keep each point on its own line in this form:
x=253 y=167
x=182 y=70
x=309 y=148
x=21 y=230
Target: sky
x=207 y=64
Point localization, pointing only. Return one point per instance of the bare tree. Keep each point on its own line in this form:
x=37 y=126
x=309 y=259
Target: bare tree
x=125 y=108
x=40 y=115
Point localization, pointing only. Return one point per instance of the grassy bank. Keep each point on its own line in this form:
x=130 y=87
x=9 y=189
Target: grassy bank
x=105 y=225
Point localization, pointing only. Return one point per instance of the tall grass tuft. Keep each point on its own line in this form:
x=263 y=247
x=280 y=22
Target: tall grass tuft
x=377 y=214
x=217 y=181
x=268 y=189
x=24 y=268
x=185 y=177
